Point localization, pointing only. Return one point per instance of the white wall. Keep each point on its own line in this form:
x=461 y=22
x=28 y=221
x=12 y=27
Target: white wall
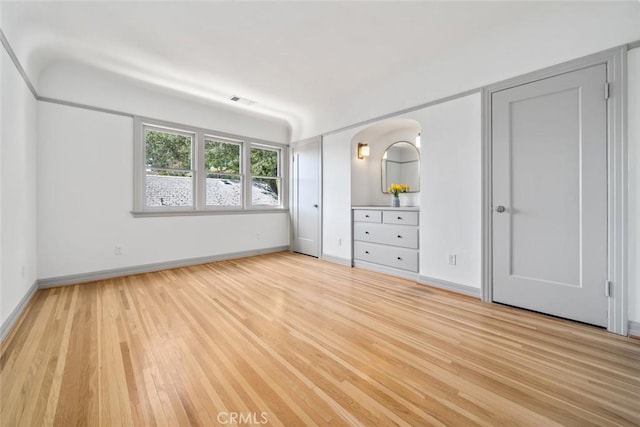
x=85 y=189
x=336 y=196
x=17 y=188
x=633 y=272
x=450 y=220
x=95 y=87
x=450 y=195
x=85 y=178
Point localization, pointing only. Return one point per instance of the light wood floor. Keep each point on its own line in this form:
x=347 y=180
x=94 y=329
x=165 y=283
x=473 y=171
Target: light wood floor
x=295 y=341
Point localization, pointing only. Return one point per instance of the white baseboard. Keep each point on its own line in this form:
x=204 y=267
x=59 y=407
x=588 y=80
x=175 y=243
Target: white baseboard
x=336 y=260
x=73 y=279
x=450 y=286
x=10 y=322
x=633 y=329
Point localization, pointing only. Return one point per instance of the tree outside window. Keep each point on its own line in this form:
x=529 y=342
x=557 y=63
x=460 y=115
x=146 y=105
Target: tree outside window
x=169 y=174
x=265 y=176
x=223 y=168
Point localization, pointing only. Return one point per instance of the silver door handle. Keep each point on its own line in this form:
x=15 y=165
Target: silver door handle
x=500 y=209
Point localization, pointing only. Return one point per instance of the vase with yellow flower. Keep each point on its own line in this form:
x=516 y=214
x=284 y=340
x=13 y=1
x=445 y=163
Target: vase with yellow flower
x=395 y=190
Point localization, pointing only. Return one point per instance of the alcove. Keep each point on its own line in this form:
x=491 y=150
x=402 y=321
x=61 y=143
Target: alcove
x=366 y=173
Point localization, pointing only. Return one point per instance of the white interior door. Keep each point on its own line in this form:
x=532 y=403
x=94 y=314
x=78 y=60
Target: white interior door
x=549 y=151
x=306 y=197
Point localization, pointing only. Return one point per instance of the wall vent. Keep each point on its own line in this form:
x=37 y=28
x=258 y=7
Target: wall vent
x=240 y=100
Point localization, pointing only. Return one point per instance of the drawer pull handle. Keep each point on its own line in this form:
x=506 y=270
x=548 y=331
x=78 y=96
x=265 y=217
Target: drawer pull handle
x=399 y=236
x=366 y=216
x=366 y=232
x=399 y=258
x=399 y=217
x=366 y=252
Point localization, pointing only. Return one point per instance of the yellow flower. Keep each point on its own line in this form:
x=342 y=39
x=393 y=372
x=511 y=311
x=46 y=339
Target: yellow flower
x=397 y=188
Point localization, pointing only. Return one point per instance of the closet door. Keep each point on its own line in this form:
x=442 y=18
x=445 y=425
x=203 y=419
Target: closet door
x=550 y=233
x=305 y=200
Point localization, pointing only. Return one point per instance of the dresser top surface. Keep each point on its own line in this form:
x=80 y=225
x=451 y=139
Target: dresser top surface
x=387 y=208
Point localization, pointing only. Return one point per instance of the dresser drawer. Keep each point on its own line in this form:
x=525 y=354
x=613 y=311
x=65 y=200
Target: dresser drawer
x=400 y=217
x=387 y=234
x=367 y=216
x=402 y=258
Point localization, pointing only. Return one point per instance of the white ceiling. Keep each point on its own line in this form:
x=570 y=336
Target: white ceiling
x=295 y=59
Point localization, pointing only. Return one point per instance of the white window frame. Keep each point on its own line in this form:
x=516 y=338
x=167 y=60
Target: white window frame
x=203 y=197
x=250 y=176
x=199 y=173
x=176 y=131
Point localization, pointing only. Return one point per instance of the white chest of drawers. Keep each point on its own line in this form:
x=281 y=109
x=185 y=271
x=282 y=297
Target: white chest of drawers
x=386 y=239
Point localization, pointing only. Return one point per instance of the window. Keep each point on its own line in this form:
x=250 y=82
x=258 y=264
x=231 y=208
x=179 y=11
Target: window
x=168 y=166
x=265 y=176
x=222 y=161
x=180 y=169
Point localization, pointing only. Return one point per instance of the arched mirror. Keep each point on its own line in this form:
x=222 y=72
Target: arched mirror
x=401 y=165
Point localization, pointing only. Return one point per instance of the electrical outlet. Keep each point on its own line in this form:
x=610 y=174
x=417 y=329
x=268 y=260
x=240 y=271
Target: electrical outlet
x=118 y=250
x=452 y=259
x=340 y=241
x=258 y=236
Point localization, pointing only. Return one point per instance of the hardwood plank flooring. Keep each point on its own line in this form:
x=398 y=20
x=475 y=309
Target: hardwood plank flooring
x=288 y=340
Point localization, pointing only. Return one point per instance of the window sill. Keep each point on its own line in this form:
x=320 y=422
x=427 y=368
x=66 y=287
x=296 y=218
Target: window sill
x=150 y=214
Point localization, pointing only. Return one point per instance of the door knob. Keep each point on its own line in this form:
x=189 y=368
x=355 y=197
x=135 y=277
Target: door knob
x=500 y=209
x=315 y=206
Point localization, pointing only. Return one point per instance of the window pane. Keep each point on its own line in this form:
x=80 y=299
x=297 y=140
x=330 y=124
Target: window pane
x=221 y=157
x=264 y=162
x=167 y=150
x=223 y=190
x=169 y=188
x=265 y=192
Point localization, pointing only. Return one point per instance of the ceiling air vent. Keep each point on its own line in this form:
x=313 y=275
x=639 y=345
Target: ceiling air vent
x=240 y=100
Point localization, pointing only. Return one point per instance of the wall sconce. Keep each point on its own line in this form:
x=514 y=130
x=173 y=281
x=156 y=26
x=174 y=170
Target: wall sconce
x=418 y=140
x=363 y=150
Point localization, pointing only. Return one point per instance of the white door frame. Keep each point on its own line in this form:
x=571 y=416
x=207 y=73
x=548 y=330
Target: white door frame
x=616 y=61
x=292 y=147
